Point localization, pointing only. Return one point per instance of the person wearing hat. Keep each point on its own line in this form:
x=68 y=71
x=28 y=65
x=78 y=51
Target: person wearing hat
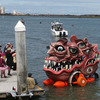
x=9 y=57
x=6 y=47
x=30 y=81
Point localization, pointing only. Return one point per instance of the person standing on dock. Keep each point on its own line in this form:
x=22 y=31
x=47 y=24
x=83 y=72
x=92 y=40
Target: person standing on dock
x=30 y=81
x=5 y=48
x=10 y=62
x=11 y=46
x=3 y=66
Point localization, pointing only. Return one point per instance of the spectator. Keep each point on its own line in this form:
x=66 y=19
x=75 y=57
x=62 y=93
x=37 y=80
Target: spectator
x=30 y=81
x=11 y=46
x=10 y=62
x=6 y=47
x=3 y=67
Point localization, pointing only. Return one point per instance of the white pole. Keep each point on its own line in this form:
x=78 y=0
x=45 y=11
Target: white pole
x=20 y=40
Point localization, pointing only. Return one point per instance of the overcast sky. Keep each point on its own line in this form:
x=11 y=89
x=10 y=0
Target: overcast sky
x=52 y=6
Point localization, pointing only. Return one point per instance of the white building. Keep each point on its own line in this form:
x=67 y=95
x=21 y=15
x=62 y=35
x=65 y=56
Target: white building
x=14 y=12
x=2 y=10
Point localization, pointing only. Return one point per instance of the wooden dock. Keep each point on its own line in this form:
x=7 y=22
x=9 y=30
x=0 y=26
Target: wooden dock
x=6 y=84
x=18 y=80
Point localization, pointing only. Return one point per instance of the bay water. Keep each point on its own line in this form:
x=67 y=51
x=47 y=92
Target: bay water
x=38 y=36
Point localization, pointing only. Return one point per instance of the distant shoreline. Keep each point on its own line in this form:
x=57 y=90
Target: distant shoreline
x=53 y=15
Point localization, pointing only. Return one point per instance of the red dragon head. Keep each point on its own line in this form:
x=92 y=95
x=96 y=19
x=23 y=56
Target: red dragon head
x=66 y=57
x=90 y=53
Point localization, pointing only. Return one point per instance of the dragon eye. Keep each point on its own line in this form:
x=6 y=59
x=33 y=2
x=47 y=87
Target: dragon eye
x=73 y=50
x=59 y=48
x=81 y=45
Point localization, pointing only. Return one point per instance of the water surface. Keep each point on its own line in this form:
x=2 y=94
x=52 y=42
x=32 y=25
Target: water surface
x=38 y=36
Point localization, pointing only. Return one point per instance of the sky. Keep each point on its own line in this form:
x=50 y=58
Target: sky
x=72 y=7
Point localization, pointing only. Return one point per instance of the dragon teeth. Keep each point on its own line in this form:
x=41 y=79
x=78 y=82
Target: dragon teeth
x=49 y=61
x=58 y=64
x=45 y=66
x=95 y=59
x=96 y=55
x=50 y=67
x=56 y=69
x=66 y=66
x=54 y=63
x=46 y=61
x=92 y=61
x=70 y=66
x=76 y=62
x=79 y=62
x=98 y=58
x=64 y=62
x=61 y=66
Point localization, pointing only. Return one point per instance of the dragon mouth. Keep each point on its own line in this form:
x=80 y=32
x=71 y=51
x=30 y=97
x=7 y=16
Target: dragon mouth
x=68 y=66
x=93 y=60
x=51 y=65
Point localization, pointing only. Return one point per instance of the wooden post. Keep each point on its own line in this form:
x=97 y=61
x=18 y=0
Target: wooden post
x=20 y=40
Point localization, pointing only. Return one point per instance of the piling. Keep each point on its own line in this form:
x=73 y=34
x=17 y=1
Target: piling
x=13 y=86
x=20 y=41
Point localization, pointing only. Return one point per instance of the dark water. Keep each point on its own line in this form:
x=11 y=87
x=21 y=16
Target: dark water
x=38 y=36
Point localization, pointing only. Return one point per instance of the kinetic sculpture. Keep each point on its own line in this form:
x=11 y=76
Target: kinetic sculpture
x=71 y=63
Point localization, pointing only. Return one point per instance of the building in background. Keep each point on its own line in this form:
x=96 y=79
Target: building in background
x=14 y=12
x=17 y=13
x=2 y=10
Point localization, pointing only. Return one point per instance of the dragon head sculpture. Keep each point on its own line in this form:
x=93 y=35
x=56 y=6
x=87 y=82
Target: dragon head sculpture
x=90 y=54
x=66 y=57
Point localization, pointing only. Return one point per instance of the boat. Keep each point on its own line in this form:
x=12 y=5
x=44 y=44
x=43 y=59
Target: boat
x=36 y=92
x=57 y=29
